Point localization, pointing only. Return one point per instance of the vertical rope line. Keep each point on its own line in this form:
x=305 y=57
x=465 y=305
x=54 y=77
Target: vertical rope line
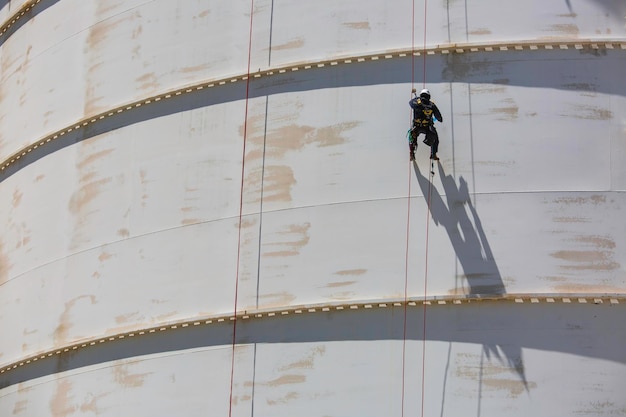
x=258 y=264
x=243 y=166
x=406 y=283
x=424 y=50
x=413 y=46
x=430 y=186
x=408 y=220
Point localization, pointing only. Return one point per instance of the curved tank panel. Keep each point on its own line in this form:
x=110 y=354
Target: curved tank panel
x=208 y=207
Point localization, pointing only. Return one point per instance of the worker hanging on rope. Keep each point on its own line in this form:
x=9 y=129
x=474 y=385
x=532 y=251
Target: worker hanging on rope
x=425 y=114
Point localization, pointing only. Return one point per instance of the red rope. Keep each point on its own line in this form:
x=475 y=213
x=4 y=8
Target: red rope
x=406 y=283
x=413 y=48
x=430 y=186
x=243 y=166
x=408 y=218
x=424 y=51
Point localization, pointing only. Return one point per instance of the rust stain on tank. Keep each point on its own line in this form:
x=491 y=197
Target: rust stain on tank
x=598 y=241
x=591 y=113
x=595 y=200
x=187 y=220
x=292 y=395
x=143 y=179
x=278 y=183
x=98 y=33
x=104 y=256
x=287 y=138
x=194 y=69
x=330 y=135
x=588 y=288
x=86 y=177
x=593 y=252
x=277 y=299
x=339 y=284
x=105 y=8
x=571 y=220
x=24 y=236
x=61 y=333
x=307 y=362
x=587 y=260
x=295 y=44
x=491 y=375
x=514 y=387
x=480 y=31
x=358 y=25
x=130 y=317
x=127 y=379
x=488 y=89
x=61 y=402
x=4 y=265
x=351 y=272
x=293 y=137
x=17 y=198
x=96 y=41
x=247 y=223
x=566 y=29
x=91 y=404
x=20 y=406
x=86 y=194
x=286 y=380
x=295 y=237
x=167 y=316
x=137 y=31
x=579 y=256
x=509 y=111
x=148 y=82
x=242 y=398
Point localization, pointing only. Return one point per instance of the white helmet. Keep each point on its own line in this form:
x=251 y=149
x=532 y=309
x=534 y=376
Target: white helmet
x=425 y=94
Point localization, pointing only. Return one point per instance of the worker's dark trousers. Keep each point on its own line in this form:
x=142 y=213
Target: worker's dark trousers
x=432 y=138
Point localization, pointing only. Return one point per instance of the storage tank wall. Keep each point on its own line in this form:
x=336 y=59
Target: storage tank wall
x=209 y=207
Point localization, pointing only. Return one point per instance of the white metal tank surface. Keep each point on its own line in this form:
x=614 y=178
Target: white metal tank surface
x=208 y=208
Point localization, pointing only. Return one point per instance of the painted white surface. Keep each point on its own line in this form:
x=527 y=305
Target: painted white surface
x=134 y=221
x=566 y=363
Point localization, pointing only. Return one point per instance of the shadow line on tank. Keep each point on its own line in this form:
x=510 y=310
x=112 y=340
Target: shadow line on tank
x=25 y=18
x=504 y=329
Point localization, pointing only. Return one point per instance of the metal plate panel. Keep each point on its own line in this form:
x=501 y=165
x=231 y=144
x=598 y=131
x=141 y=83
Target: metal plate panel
x=491 y=359
x=129 y=241
x=117 y=58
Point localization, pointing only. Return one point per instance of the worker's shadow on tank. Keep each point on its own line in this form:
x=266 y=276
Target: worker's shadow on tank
x=465 y=232
x=459 y=217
